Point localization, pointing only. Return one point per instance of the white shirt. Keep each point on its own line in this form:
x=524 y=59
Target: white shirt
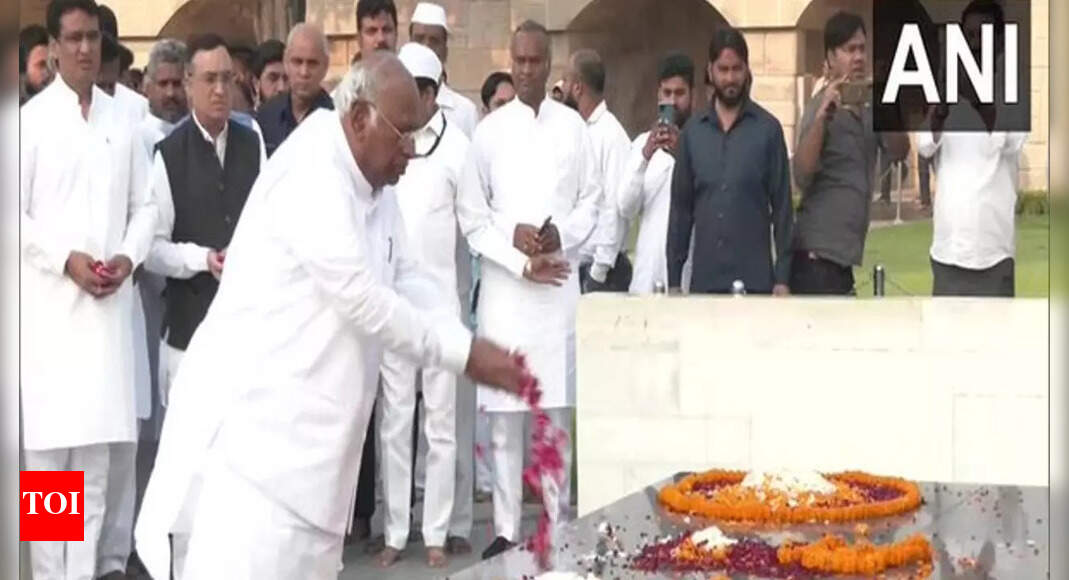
x=280 y=378
x=181 y=260
x=133 y=106
x=611 y=148
x=427 y=197
x=976 y=193
x=82 y=189
x=151 y=131
x=525 y=166
x=646 y=188
x=459 y=109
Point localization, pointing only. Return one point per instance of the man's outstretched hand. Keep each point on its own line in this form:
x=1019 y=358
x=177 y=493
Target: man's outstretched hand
x=547 y=269
x=489 y=364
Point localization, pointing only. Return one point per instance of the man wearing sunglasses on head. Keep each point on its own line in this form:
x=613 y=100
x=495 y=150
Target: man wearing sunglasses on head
x=426 y=194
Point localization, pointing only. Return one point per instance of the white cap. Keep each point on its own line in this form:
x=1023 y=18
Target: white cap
x=430 y=14
x=421 y=61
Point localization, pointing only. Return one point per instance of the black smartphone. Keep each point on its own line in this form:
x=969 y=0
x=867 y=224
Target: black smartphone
x=666 y=114
x=545 y=227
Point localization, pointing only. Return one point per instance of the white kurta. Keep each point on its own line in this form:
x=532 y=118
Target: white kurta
x=611 y=147
x=280 y=378
x=521 y=169
x=976 y=185
x=646 y=189
x=459 y=109
x=82 y=188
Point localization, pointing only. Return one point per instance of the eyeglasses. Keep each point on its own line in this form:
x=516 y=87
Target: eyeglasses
x=92 y=37
x=214 y=78
x=412 y=147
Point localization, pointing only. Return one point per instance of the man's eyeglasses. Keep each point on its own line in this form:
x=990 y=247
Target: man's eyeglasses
x=413 y=147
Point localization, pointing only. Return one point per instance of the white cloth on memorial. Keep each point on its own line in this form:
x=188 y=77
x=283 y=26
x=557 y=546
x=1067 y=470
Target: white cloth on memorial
x=522 y=168
x=976 y=188
x=82 y=189
x=281 y=376
x=611 y=148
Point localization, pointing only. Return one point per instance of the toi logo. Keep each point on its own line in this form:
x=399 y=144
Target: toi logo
x=51 y=506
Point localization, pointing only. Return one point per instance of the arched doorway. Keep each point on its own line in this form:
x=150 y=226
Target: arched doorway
x=237 y=21
x=632 y=36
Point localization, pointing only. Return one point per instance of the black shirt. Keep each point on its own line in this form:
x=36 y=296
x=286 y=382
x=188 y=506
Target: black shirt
x=731 y=189
x=277 y=121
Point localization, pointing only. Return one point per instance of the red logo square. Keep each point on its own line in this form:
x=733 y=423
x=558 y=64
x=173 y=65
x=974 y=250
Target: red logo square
x=51 y=506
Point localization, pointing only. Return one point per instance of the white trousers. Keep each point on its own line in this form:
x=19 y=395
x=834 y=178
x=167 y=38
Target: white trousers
x=460 y=522
x=170 y=360
x=399 y=381
x=117 y=532
x=507 y=450
x=484 y=471
x=240 y=534
x=73 y=560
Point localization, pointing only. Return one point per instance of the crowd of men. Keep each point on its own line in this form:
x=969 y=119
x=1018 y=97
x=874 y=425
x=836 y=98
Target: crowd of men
x=295 y=275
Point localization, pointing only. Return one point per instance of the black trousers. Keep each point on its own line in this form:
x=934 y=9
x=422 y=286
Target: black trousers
x=924 y=171
x=998 y=280
x=618 y=279
x=813 y=275
x=365 y=486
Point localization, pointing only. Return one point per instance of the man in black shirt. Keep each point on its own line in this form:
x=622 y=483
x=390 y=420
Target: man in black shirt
x=306 y=61
x=731 y=186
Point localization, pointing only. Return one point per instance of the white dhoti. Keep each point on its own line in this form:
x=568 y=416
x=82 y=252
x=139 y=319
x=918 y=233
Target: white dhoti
x=73 y=560
x=399 y=377
x=507 y=448
x=241 y=534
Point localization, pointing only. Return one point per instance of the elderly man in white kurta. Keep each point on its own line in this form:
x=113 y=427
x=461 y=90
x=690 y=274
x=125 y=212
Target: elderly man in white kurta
x=83 y=200
x=265 y=427
x=426 y=194
x=531 y=159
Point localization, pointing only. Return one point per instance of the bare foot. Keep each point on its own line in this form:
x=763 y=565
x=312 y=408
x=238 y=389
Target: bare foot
x=436 y=557
x=388 y=557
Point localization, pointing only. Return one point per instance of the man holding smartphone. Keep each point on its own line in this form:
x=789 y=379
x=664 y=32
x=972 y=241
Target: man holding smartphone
x=834 y=172
x=646 y=184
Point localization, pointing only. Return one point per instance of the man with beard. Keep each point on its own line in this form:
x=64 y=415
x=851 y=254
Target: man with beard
x=33 y=50
x=602 y=265
x=730 y=186
x=646 y=183
x=269 y=71
x=833 y=165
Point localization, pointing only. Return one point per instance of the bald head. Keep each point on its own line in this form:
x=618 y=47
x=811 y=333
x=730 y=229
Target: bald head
x=306 y=62
x=379 y=105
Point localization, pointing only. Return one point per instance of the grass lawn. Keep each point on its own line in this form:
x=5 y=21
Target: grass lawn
x=903 y=251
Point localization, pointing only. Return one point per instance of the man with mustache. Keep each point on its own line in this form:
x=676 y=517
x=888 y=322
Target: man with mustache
x=834 y=164
x=730 y=186
x=201 y=175
x=376 y=25
x=86 y=223
x=33 y=58
x=305 y=63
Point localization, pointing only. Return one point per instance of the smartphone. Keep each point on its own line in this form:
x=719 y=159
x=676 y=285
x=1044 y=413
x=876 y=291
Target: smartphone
x=545 y=226
x=856 y=93
x=666 y=114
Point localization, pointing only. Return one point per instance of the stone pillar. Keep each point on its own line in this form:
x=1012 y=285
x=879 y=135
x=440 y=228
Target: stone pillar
x=775 y=64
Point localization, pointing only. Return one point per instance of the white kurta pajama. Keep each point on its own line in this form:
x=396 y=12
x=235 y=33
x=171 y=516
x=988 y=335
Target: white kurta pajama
x=82 y=189
x=426 y=195
x=610 y=147
x=265 y=401
x=522 y=168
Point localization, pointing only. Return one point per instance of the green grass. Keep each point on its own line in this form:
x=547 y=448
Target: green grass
x=903 y=250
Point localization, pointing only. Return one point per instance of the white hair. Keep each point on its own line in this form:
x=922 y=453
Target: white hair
x=359 y=84
x=166 y=51
x=312 y=29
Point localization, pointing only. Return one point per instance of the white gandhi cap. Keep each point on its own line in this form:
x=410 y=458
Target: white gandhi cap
x=421 y=61
x=430 y=14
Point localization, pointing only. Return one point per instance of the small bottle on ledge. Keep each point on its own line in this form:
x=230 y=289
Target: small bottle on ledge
x=738 y=288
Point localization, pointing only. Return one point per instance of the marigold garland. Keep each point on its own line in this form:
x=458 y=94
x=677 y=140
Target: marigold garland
x=833 y=555
x=729 y=502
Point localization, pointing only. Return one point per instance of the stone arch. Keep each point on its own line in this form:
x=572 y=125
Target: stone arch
x=237 y=21
x=631 y=36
